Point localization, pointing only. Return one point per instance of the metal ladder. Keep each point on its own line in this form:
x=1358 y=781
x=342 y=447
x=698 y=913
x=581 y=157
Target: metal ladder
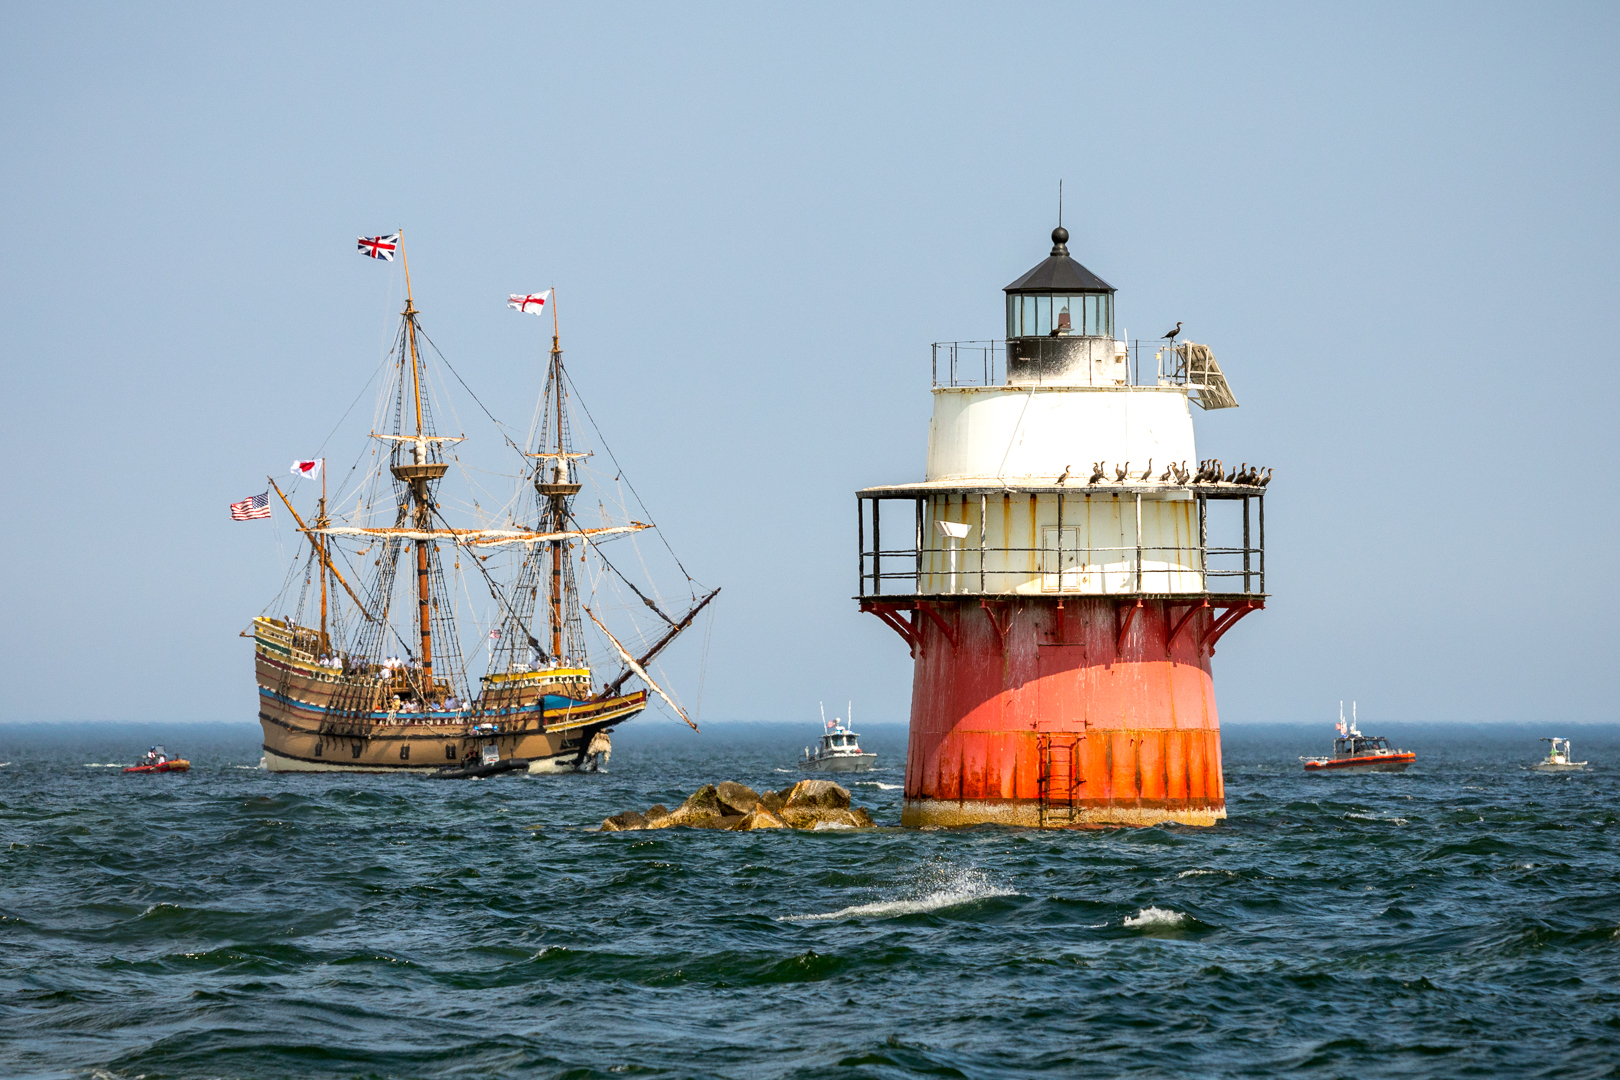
x=1059 y=783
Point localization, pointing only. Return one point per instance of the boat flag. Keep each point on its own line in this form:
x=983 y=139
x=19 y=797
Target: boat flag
x=254 y=506
x=535 y=301
x=309 y=470
x=380 y=247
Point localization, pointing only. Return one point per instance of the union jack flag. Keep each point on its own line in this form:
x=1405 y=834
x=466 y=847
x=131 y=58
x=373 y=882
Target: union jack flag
x=254 y=506
x=380 y=247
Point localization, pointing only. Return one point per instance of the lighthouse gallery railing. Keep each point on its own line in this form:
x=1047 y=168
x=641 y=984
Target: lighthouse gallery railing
x=1121 y=570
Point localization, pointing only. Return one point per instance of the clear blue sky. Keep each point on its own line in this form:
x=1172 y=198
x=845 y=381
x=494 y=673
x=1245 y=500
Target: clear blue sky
x=1395 y=224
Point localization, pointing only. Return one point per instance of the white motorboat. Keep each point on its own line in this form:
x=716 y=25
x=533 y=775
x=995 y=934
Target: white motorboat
x=1557 y=759
x=839 y=749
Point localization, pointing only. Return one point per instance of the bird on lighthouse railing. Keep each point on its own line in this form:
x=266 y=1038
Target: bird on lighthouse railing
x=1121 y=473
x=1172 y=335
x=1097 y=474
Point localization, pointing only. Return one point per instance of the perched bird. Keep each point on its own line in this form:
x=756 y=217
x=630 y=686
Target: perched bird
x=1231 y=477
x=1171 y=336
x=1148 y=472
x=1169 y=471
x=1097 y=475
x=1065 y=475
x=1122 y=474
x=1182 y=475
x=1266 y=479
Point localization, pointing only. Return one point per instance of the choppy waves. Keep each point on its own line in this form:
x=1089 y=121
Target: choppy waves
x=236 y=922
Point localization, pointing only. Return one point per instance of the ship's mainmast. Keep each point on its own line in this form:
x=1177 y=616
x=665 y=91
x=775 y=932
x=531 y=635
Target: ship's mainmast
x=556 y=485
x=416 y=476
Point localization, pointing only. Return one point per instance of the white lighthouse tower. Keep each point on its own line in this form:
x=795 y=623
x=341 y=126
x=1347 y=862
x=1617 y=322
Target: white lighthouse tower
x=1053 y=574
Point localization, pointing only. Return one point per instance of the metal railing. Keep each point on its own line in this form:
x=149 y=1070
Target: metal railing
x=952 y=568
x=984 y=363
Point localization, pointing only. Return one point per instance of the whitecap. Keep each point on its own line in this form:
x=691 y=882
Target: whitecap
x=829 y=826
x=3 y=764
x=1202 y=873
x=951 y=886
x=877 y=784
x=104 y=765
x=782 y=770
x=1375 y=817
x=1155 y=916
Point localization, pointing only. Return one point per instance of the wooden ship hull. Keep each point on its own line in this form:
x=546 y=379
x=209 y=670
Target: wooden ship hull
x=321 y=719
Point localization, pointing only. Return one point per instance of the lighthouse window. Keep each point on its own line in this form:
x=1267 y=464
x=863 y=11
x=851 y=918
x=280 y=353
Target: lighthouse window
x=1091 y=314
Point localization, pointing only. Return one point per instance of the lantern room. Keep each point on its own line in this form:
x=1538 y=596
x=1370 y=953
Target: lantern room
x=1059 y=298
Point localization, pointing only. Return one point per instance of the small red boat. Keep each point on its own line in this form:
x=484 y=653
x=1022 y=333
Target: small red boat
x=158 y=760
x=1354 y=752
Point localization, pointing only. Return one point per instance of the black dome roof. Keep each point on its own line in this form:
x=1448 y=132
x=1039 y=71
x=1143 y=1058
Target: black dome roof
x=1058 y=273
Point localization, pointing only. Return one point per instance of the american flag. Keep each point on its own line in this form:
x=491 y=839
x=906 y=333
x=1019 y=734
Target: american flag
x=379 y=247
x=254 y=506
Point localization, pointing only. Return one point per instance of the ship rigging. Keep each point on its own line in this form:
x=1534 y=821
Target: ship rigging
x=381 y=682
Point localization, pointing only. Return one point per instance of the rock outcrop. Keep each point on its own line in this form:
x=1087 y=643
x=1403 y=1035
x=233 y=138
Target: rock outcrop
x=809 y=804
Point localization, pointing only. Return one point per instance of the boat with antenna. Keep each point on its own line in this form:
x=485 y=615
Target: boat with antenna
x=1558 y=758
x=380 y=683
x=1354 y=752
x=839 y=749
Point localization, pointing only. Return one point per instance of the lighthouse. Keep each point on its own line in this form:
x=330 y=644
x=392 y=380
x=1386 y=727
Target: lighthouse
x=1064 y=570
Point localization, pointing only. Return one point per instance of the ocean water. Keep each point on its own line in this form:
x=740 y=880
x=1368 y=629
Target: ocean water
x=1461 y=919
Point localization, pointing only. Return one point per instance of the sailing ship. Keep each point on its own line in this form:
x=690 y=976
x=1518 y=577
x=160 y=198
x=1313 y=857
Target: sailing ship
x=378 y=685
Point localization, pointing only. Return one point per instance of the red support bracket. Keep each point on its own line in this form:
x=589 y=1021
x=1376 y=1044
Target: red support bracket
x=1181 y=624
x=904 y=627
x=1125 y=627
x=995 y=624
x=1227 y=621
x=928 y=610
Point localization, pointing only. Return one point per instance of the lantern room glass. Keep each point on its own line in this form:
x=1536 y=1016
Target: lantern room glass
x=1090 y=314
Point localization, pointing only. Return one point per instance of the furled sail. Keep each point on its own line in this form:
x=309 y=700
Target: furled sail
x=479 y=537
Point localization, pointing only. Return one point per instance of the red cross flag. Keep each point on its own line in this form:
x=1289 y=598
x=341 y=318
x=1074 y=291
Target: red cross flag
x=380 y=247
x=535 y=302
x=309 y=470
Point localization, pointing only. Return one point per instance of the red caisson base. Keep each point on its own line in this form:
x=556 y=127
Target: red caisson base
x=1088 y=711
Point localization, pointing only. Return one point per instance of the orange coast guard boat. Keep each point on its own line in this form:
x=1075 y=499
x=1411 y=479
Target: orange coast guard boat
x=158 y=760
x=377 y=682
x=1354 y=752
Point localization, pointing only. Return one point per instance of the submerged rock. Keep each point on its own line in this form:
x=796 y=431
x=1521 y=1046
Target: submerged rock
x=809 y=804
x=624 y=822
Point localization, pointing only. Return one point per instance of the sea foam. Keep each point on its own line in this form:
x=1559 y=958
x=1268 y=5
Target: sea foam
x=1152 y=917
x=938 y=887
